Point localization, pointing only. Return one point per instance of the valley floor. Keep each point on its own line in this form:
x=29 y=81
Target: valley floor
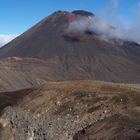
x=71 y=110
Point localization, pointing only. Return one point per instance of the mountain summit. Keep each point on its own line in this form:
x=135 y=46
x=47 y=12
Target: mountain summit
x=71 y=54
x=83 y=13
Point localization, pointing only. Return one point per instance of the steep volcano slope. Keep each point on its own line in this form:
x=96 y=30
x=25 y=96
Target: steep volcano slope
x=76 y=55
x=79 y=110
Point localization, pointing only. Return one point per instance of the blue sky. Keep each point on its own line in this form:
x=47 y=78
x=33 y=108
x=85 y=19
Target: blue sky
x=16 y=16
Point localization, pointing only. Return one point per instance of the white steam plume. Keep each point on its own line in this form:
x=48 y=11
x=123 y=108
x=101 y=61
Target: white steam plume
x=104 y=29
x=119 y=29
x=98 y=26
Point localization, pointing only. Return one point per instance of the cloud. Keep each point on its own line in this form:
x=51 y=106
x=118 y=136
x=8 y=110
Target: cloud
x=96 y=25
x=136 y=12
x=4 y=39
x=110 y=8
x=119 y=28
x=104 y=29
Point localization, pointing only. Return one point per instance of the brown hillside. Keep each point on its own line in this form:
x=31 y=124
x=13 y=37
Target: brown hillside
x=78 y=110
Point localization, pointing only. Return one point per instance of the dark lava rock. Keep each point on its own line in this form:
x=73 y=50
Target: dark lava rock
x=83 y=13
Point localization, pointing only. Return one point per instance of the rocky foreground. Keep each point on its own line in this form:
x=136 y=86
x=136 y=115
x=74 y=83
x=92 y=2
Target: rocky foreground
x=71 y=110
